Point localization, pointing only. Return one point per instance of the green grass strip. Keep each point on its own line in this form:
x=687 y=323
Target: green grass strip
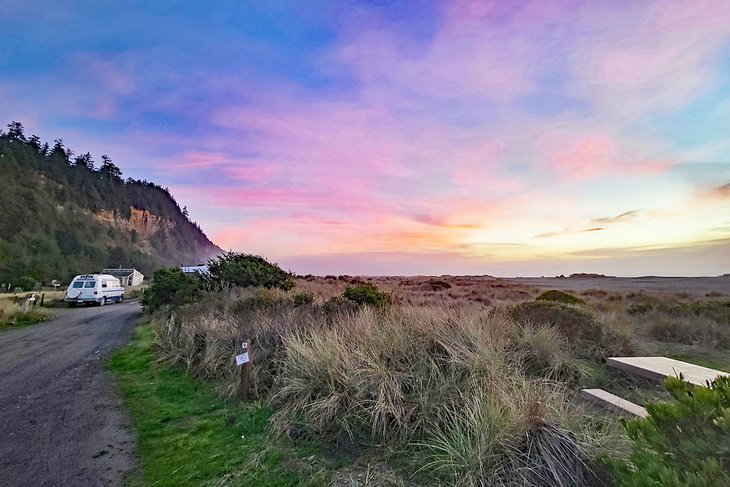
x=190 y=436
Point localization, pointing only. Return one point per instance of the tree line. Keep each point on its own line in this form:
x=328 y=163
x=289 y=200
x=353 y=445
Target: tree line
x=48 y=196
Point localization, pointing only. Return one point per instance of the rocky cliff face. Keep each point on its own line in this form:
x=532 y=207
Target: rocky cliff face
x=144 y=223
x=151 y=233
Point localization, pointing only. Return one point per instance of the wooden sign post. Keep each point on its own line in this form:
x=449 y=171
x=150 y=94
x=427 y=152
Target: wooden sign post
x=244 y=362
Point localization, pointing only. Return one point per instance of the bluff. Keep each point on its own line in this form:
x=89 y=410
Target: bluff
x=61 y=216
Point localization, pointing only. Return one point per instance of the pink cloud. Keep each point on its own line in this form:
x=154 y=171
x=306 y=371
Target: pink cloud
x=466 y=57
x=431 y=147
x=576 y=155
x=658 y=58
x=197 y=160
x=254 y=172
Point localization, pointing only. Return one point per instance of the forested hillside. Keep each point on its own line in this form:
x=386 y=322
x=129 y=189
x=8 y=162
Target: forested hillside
x=60 y=215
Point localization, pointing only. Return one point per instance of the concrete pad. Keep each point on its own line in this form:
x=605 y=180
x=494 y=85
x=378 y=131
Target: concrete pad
x=612 y=402
x=657 y=368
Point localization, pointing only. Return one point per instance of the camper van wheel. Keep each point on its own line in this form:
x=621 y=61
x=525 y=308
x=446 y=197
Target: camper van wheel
x=121 y=299
x=103 y=301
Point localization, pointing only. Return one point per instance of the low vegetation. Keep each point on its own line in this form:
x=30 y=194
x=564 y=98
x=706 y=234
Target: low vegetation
x=475 y=387
x=232 y=269
x=14 y=315
x=367 y=294
x=170 y=286
x=189 y=435
x=685 y=443
x=588 y=337
x=560 y=297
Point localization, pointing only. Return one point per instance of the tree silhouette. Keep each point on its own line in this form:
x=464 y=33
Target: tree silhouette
x=16 y=131
x=109 y=170
x=85 y=160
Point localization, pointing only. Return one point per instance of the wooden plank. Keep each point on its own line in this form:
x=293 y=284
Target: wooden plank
x=612 y=402
x=658 y=368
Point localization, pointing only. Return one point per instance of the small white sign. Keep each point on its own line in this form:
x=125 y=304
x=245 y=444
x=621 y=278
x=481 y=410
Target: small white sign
x=244 y=346
x=242 y=359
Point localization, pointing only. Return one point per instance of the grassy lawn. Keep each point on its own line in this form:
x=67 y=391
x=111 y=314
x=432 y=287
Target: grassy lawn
x=711 y=363
x=190 y=436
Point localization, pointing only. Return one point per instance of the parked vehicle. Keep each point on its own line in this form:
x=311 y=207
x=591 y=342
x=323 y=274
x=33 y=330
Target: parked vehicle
x=99 y=289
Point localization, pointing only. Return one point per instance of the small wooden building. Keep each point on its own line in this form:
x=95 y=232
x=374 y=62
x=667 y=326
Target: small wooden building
x=128 y=277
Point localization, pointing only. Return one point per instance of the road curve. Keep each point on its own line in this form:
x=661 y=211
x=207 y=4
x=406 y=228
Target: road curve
x=61 y=420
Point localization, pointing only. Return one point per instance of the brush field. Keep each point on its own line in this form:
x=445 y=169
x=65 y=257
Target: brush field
x=452 y=380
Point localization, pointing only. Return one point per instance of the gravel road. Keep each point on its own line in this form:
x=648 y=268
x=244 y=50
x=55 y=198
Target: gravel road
x=61 y=420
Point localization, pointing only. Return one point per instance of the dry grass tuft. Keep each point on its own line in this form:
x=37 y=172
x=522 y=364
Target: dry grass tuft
x=13 y=315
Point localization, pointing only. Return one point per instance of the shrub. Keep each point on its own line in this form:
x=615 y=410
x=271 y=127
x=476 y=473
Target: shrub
x=588 y=337
x=263 y=299
x=687 y=329
x=26 y=283
x=170 y=286
x=367 y=294
x=300 y=299
x=639 y=308
x=244 y=270
x=560 y=297
x=717 y=311
x=438 y=285
x=681 y=444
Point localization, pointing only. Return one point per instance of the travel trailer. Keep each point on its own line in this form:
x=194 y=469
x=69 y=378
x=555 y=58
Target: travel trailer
x=99 y=289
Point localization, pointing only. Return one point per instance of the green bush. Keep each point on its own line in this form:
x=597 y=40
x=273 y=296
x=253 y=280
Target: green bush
x=170 y=286
x=368 y=294
x=717 y=311
x=244 y=270
x=263 y=299
x=681 y=444
x=26 y=283
x=560 y=297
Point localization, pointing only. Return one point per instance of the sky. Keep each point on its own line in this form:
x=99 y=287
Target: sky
x=510 y=138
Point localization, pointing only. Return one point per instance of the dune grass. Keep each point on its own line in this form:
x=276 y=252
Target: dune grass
x=470 y=383
x=189 y=435
x=399 y=377
x=13 y=316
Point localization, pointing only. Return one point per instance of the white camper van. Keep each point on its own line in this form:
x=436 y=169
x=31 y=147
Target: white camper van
x=94 y=288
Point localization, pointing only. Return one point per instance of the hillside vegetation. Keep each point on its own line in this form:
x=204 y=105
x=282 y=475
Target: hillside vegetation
x=61 y=215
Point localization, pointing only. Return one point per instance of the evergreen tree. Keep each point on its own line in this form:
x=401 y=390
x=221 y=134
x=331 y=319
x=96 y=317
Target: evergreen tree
x=16 y=131
x=109 y=170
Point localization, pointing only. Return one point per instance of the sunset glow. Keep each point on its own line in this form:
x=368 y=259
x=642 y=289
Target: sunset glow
x=376 y=137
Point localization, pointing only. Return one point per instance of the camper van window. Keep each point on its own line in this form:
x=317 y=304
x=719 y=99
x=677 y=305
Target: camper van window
x=103 y=283
x=89 y=284
x=78 y=284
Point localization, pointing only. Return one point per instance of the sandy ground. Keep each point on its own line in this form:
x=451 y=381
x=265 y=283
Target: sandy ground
x=692 y=285
x=61 y=420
